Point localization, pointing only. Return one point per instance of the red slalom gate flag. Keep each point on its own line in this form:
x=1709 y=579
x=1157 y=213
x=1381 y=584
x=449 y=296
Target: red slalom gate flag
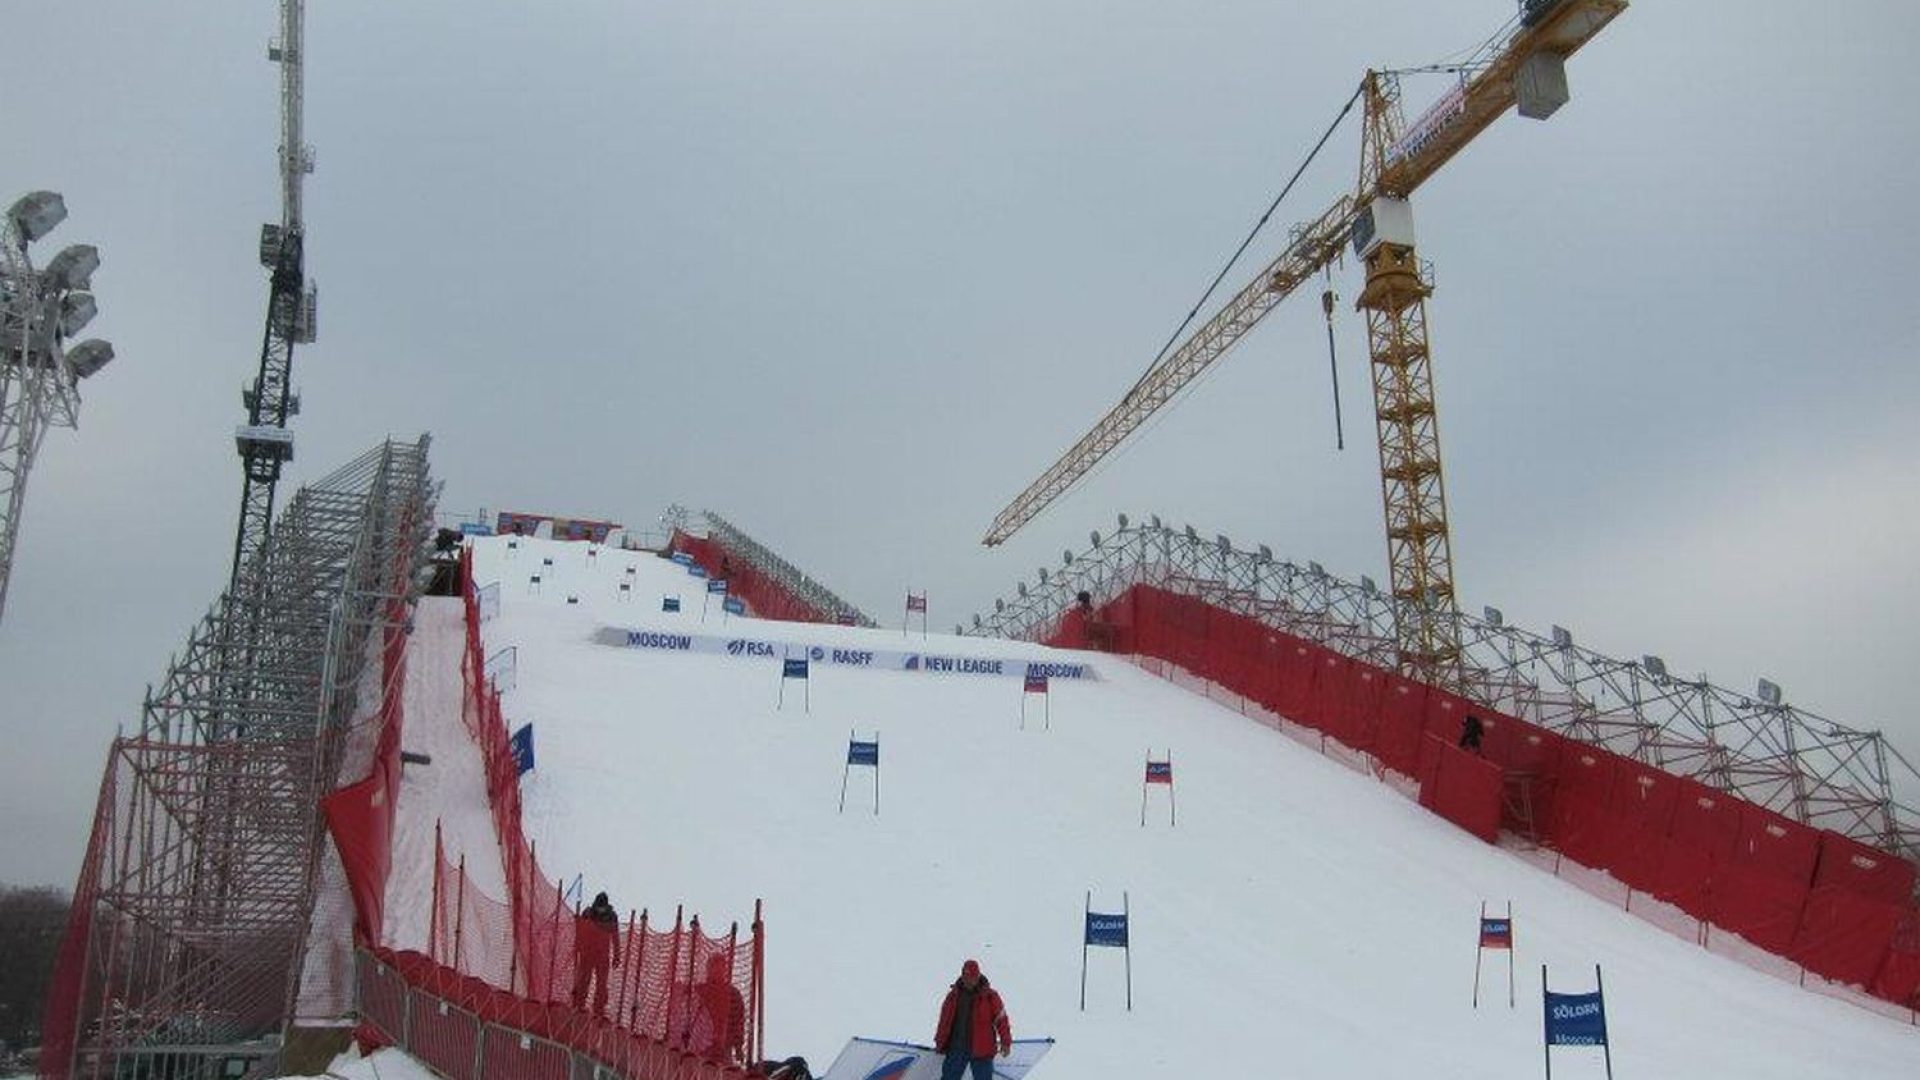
x=1159 y=772
x=1036 y=682
x=917 y=603
x=1496 y=933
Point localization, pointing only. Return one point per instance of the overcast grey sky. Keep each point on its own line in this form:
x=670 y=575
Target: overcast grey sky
x=853 y=273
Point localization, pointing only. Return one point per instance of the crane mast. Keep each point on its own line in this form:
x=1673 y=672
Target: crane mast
x=1523 y=65
x=264 y=442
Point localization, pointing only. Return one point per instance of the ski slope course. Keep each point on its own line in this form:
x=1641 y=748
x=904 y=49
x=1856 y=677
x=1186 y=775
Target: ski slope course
x=1301 y=920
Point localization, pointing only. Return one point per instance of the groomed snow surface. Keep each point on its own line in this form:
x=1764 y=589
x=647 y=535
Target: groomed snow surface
x=1301 y=920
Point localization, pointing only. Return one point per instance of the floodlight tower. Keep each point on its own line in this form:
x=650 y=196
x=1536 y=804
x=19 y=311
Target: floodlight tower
x=39 y=373
x=264 y=442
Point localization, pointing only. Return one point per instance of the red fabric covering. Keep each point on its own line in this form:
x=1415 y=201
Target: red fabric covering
x=1759 y=891
x=1332 y=684
x=1579 y=825
x=1701 y=836
x=1356 y=720
x=1640 y=810
x=1398 y=729
x=764 y=596
x=1863 y=870
x=1462 y=787
x=1845 y=936
x=1899 y=976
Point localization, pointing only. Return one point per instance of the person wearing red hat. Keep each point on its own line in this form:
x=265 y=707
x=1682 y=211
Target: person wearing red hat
x=973 y=1023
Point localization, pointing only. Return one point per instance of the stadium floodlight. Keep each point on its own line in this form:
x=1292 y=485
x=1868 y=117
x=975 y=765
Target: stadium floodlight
x=1266 y=554
x=77 y=309
x=1562 y=637
x=1655 y=666
x=1493 y=616
x=73 y=268
x=1156 y=522
x=89 y=357
x=1043 y=571
x=1066 y=558
x=1095 y=536
x=1123 y=521
x=1000 y=605
x=36 y=214
x=1226 y=545
x=1368 y=586
x=1023 y=590
x=976 y=620
x=1316 y=569
x=1191 y=535
x=1769 y=691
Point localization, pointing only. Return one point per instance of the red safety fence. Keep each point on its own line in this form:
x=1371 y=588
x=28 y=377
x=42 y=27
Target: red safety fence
x=522 y=948
x=1695 y=858
x=360 y=815
x=764 y=596
x=465 y=1029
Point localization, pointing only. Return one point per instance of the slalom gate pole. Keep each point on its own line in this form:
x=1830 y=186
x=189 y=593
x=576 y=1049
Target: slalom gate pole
x=1143 y=789
x=1606 y=1047
x=876 y=779
x=1510 y=951
x=1126 y=913
x=846 y=770
x=808 y=695
x=1173 y=801
x=783 y=680
x=639 y=972
x=459 y=912
x=1023 y=708
x=1046 y=704
x=1546 y=1044
x=1083 y=950
x=759 y=982
x=433 y=916
x=1479 y=950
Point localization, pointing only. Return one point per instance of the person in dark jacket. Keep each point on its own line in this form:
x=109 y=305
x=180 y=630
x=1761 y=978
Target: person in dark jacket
x=596 y=946
x=973 y=1022
x=1471 y=729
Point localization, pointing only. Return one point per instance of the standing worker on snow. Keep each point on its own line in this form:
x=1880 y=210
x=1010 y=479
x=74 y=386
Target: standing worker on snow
x=596 y=945
x=973 y=1021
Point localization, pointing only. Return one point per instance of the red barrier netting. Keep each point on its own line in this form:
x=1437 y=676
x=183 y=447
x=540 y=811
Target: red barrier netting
x=1833 y=905
x=677 y=987
x=765 y=597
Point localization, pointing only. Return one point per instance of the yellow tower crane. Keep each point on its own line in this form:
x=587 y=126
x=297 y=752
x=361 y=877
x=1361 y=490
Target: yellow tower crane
x=1523 y=66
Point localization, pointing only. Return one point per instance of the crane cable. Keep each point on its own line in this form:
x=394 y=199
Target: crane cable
x=1244 y=244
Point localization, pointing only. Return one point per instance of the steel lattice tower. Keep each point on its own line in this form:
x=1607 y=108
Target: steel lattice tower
x=264 y=443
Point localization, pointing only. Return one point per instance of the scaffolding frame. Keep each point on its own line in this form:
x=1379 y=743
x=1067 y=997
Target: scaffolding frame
x=198 y=890
x=785 y=574
x=1806 y=767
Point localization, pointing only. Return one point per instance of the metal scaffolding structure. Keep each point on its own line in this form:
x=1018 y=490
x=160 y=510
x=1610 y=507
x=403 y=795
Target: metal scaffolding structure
x=197 y=892
x=1759 y=748
x=790 y=577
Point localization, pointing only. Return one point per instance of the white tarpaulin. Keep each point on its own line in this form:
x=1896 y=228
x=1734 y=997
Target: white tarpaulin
x=881 y=1059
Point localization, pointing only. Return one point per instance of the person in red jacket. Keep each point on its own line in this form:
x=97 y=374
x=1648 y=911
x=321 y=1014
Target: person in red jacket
x=596 y=946
x=720 y=1028
x=973 y=1022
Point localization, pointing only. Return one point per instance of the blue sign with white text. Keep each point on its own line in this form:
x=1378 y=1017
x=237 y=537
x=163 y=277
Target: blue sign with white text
x=863 y=753
x=1104 y=929
x=734 y=605
x=697 y=570
x=795 y=668
x=1576 y=1019
x=669 y=603
x=717 y=585
x=521 y=745
x=474 y=528
x=682 y=558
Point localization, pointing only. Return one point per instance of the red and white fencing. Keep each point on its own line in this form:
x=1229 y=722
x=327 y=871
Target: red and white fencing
x=1836 y=915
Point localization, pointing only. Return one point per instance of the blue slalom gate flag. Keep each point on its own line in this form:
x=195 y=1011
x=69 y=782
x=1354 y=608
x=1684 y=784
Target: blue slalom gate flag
x=863 y=753
x=1575 y=1019
x=717 y=585
x=794 y=667
x=669 y=603
x=683 y=558
x=696 y=570
x=734 y=605
x=1107 y=929
x=521 y=745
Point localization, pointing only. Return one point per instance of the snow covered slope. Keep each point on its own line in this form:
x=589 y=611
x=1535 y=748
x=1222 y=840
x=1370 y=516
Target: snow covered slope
x=1300 y=921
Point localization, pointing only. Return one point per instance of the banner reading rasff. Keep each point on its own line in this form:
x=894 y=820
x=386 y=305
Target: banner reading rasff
x=839 y=656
